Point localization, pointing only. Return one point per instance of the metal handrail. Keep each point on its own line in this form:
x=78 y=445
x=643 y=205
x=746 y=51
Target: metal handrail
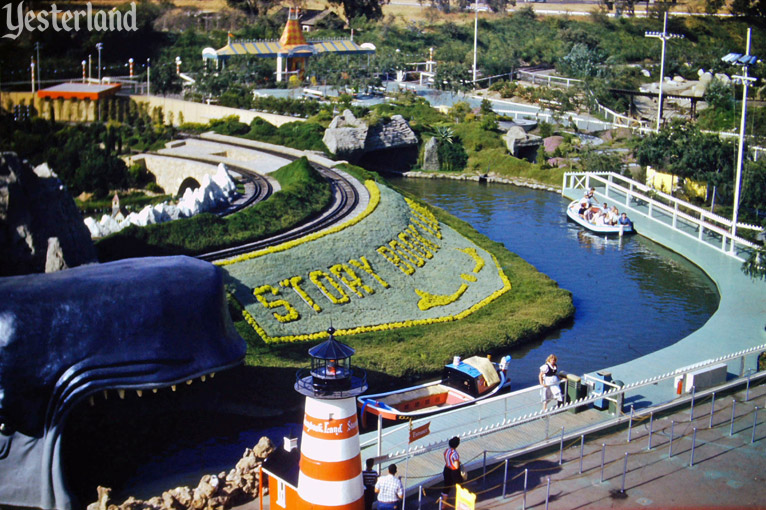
x=706 y=221
x=509 y=423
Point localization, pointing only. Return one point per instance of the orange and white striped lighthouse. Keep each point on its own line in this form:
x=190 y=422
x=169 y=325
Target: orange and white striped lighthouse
x=330 y=466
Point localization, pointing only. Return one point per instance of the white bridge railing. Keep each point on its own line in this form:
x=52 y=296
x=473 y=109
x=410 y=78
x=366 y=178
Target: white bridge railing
x=483 y=418
x=681 y=216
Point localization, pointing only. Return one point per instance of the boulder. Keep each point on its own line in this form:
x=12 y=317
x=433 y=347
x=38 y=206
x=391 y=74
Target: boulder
x=54 y=259
x=521 y=144
x=264 y=448
x=431 y=155
x=350 y=138
x=394 y=134
x=346 y=136
x=32 y=210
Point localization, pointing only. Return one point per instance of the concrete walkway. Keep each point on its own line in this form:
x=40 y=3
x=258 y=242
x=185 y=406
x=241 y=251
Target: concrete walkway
x=728 y=471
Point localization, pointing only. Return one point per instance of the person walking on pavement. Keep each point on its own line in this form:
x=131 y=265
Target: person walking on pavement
x=369 y=478
x=389 y=490
x=451 y=472
x=549 y=380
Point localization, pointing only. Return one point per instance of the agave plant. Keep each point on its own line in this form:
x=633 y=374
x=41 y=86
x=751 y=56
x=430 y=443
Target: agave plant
x=444 y=134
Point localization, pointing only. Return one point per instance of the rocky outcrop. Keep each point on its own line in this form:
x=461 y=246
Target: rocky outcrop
x=431 y=155
x=346 y=136
x=350 y=138
x=214 y=492
x=521 y=144
x=32 y=211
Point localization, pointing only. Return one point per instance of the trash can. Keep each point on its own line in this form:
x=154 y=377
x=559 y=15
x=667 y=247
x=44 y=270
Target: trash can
x=600 y=387
x=575 y=391
x=616 y=401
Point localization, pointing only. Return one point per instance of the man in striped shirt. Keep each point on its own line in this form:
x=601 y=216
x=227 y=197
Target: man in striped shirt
x=389 y=489
x=451 y=467
x=369 y=478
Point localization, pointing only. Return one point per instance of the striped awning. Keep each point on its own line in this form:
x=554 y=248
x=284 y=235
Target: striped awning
x=272 y=49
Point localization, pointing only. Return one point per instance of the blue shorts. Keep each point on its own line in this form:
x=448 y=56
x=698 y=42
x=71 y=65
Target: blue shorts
x=386 y=506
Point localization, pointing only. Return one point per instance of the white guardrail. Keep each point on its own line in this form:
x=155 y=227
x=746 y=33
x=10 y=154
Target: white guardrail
x=705 y=226
x=471 y=417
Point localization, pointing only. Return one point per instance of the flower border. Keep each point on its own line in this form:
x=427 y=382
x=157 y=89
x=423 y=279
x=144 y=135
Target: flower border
x=386 y=326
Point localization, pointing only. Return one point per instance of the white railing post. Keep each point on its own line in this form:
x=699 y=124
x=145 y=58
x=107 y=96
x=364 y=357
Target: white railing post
x=675 y=215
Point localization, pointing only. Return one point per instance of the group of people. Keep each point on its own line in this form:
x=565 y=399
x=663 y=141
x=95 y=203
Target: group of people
x=602 y=215
x=388 y=489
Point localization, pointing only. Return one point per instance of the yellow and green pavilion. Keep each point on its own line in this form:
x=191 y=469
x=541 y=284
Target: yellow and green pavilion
x=292 y=50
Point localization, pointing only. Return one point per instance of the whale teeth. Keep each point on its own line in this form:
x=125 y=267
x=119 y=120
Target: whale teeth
x=212 y=374
x=154 y=390
x=121 y=393
x=188 y=383
x=106 y=395
x=91 y=401
x=139 y=393
x=203 y=378
x=173 y=387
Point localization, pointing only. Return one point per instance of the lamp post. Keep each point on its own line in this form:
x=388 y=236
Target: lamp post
x=90 y=61
x=663 y=36
x=99 y=47
x=475 y=36
x=32 y=68
x=148 y=76
x=745 y=61
x=83 y=71
x=130 y=67
x=39 y=69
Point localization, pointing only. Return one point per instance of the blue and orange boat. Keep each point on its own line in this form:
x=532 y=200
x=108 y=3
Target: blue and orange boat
x=463 y=382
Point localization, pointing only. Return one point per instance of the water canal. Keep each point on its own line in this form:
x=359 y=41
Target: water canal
x=631 y=296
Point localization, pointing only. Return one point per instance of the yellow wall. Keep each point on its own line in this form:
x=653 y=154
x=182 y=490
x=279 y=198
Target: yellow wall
x=668 y=182
x=68 y=110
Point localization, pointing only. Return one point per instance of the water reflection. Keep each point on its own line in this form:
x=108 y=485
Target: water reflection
x=632 y=296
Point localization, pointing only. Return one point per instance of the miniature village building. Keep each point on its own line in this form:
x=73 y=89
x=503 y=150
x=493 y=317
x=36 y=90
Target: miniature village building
x=291 y=50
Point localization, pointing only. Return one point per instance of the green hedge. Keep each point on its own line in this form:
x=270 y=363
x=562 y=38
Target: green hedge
x=304 y=194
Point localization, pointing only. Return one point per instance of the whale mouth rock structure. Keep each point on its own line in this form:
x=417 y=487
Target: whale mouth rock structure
x=93 y=332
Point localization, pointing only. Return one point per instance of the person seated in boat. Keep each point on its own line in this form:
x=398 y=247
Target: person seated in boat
x=614 y=215
x=584 y=204
x=599 y=219
x=624 y=220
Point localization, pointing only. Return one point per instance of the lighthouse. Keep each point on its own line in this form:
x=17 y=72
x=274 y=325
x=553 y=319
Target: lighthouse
x=330 y=462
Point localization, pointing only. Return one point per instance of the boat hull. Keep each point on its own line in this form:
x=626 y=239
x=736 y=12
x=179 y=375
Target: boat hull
x=423 y=400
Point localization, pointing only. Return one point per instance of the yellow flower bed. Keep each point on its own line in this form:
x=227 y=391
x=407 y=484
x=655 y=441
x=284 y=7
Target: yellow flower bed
x=400 y=263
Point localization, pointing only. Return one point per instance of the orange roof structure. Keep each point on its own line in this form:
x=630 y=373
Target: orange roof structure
x=79 y=91
x=292 y=35
x=293 y=44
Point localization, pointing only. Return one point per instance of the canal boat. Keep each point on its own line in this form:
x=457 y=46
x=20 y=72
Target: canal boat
x=463 y=382
x=620 y=230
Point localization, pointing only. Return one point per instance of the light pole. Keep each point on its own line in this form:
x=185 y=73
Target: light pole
x=90 y=61
x=39 y=69
x=745 y=61
x=32 y=68
x=148 y=75
x=83 y=71
x=663 y=36
x=475 y=37
x=99 y=47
